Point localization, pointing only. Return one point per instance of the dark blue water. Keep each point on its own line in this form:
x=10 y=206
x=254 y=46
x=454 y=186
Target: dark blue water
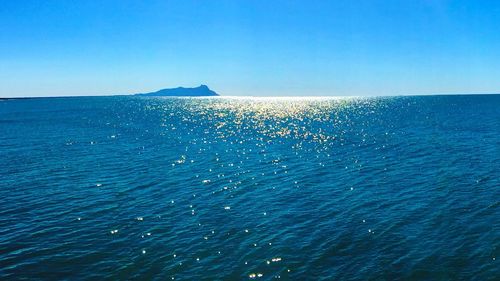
x=403 y=188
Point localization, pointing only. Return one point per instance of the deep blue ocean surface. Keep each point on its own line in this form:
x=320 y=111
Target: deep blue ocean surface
x=395 y=188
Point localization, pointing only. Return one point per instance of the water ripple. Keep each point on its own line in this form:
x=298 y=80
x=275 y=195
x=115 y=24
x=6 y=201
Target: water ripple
x=402 y=188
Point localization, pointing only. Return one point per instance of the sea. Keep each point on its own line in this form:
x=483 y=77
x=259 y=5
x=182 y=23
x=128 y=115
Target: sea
x=250 y=188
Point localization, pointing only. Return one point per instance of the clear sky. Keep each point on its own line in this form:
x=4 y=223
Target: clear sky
x=253 y=47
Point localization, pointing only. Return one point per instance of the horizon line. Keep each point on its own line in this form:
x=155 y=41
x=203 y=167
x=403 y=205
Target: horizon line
x=252 y=96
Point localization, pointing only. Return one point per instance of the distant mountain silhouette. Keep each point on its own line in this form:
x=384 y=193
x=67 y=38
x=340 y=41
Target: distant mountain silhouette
x=201 y=91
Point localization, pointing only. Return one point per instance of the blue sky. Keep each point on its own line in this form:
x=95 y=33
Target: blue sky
x=52 y=48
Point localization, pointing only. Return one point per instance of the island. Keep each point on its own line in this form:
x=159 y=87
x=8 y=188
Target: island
x=201 y=91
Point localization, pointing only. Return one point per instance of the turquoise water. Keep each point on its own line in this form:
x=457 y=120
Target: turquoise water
x=401 y=188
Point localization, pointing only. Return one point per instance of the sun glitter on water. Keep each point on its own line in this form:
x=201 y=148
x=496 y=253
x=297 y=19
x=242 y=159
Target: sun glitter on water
x=271 y=117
